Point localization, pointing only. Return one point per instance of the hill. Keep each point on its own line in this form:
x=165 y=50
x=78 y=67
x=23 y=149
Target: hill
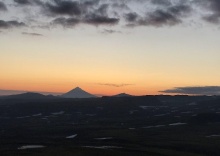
x=122 y=95
x=29 y=95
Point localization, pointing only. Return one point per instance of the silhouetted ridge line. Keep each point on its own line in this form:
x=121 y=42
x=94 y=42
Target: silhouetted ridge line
x=77 y=93
x=122 y=95
x=29 y=95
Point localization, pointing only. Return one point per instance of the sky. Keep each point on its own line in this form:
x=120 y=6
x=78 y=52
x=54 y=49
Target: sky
x=140 y=47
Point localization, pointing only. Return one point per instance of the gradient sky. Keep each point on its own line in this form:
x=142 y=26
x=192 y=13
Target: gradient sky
x=109 y=46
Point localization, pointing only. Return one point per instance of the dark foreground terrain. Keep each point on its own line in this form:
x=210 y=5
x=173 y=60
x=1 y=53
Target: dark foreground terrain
x=123 y=126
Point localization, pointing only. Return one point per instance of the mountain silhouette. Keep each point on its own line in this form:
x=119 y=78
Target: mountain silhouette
x=78 y=93
x=122 y=95
x=29 y=95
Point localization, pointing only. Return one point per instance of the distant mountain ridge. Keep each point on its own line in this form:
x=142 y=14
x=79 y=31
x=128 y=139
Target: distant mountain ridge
x=28 y=95
x=16 y=92
x=77 y=93
x=122 y=95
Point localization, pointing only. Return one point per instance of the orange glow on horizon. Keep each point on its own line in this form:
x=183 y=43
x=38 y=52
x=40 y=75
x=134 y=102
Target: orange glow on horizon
x=91 y=88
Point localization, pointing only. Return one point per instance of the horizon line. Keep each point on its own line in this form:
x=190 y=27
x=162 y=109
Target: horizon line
x=6 y=92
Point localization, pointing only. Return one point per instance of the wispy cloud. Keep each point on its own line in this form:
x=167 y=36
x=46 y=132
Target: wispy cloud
x=201 y=90
x=110 y=31
x=32 y=34
x=115 y=85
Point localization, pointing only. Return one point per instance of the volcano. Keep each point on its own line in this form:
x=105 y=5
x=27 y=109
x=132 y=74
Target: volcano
x=77 y=93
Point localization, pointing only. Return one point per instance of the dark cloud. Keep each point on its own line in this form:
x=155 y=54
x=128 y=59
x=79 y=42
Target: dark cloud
x=60 y=7
x=170 y=16
x=2 y=7
x=100 y=20
x=180 y=10
x=100 y=16
x=161 y=2
x=11 y=24
x=24 y=2
x=88 y=6
x=214 y=7
x=28 y=2
x=214 y=19
x=160 y=18
x=205 y=90
x=157 y=18
x=115 y=85
x=131 y=17
x=156 y=13
x=120 y=6
x=66 y=22
x=81 y=13
x=93 y=20
x=90 y=3
x=32 y=34
x=103 y=9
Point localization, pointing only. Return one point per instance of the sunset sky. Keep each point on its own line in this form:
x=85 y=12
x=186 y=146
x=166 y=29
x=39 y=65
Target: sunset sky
x=110 y=46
